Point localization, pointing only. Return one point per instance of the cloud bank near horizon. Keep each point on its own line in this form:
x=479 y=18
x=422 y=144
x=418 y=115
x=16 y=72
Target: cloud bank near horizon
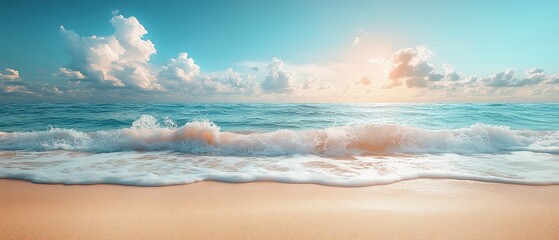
x=118 y=67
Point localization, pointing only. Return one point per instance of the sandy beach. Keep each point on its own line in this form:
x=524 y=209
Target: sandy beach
x=418 y=209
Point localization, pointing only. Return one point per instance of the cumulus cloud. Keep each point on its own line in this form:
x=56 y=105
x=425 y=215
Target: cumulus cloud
x=229 y=82
x=278 y=80
x=450 y=73
x=552 y=79
x=118 y=66
x=119 y=60
x=236 y=80
x=500 y=79
x=409 y=66
x=9 y=74
x=66 y=73
x=51 y=90
x=182 y=68
x=501 y=85
x=535 y=73
x=14 y=88
x=182 y=75
x=507 y=78
x=122 y=61
x=11 y=83
x=302 y=76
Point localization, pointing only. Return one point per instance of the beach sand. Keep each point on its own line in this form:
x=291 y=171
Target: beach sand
x=418 y=209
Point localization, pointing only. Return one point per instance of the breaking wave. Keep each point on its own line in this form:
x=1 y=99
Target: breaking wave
x=205 y=137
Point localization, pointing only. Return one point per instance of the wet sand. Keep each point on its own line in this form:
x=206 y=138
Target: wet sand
x=418 y=209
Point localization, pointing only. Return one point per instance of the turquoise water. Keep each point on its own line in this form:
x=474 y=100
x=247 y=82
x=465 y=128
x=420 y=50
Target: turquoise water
x=331 y=144
x=268 y=117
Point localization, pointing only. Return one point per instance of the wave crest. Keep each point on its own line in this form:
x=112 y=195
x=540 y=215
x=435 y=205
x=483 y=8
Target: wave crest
x=205 y=137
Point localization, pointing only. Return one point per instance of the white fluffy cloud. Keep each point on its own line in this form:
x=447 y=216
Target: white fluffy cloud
x=182 y=75
x=278 y=80
x=122 y=61
x=182 y=68
x=118 y=67
x=224 y=83
x=118 y=60
x=409 y=66
x=230 y=82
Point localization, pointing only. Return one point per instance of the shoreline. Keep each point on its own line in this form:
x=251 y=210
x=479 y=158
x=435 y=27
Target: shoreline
x=417 y=209
x=422 y=178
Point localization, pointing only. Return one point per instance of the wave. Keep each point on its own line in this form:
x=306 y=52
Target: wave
x=243 y=178
x=171 y=168
x=205 y=137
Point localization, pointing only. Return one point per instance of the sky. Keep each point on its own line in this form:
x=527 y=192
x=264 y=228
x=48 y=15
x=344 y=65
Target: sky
x=278 y=51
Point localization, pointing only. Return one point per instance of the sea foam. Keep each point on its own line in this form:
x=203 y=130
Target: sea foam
x=170 y=168
x=150 y=153
x=205 y=137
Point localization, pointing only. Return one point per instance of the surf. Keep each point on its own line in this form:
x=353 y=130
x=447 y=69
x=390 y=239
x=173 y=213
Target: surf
x=206 y=137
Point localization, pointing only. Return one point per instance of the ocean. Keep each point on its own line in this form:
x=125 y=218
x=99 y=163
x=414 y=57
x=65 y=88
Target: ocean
x=348 y=145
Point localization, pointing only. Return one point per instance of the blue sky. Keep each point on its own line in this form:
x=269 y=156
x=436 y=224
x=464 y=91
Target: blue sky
x=478 y=38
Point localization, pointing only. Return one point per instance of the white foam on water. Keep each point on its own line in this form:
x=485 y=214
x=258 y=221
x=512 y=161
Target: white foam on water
x=151 y=154
x=204 y=137
x=169 y=168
